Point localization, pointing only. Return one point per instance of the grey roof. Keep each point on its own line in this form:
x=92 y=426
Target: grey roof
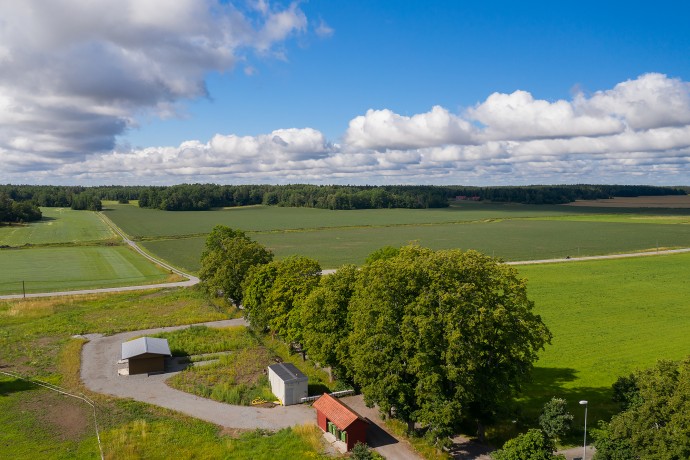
x=288 y=372
x=145 y=345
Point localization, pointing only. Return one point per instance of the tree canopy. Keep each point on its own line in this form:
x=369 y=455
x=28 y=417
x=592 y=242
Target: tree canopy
x=272 y=291
x=14 y=211
x=533 y=445
x=438 y=336
x=655 y=420
x=226 y=260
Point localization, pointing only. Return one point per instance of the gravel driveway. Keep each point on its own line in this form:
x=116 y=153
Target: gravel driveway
x=99 y=373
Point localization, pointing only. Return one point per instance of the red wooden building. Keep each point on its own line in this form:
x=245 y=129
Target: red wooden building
x=341 y=421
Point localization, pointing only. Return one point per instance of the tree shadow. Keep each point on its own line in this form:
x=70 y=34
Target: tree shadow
x=549 y=382
x=317 y=389
x=377 y=437
x=8 y=387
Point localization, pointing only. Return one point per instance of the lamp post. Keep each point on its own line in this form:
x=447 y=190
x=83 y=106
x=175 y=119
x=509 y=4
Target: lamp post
x=584 y=444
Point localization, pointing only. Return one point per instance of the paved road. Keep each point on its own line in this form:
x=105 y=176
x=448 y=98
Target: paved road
x=378 y=437
x=99 y=373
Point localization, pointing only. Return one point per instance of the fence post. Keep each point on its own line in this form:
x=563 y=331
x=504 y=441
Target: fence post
x=23 y=289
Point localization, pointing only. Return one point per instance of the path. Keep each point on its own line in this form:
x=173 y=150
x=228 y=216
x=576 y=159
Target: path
x=99 y=373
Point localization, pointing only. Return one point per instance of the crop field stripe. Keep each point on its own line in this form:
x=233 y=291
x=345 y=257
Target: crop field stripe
x=510 y=240
x=59 y=225
x=54 y=269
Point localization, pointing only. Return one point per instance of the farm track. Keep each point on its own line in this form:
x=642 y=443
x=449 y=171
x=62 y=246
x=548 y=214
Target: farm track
x=191 y=279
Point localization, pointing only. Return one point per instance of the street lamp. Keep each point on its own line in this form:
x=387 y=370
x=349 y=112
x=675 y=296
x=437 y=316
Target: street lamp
x=584 y=444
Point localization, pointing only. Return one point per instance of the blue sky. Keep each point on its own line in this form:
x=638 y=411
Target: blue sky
x=345 y=92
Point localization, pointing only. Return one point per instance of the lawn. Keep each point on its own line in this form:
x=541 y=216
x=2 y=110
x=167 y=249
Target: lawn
x=36 y=341
x=58 y=226
x=45 y=269
x=608 y=318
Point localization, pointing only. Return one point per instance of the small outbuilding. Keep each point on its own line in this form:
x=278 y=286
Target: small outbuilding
x=145 y=355
x=288 y=383
x=337 y=418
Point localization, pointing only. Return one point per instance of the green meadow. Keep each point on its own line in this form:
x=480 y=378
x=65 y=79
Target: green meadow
x=36 y=339
x=46 y=269
x=608 y=318
x=58 y=226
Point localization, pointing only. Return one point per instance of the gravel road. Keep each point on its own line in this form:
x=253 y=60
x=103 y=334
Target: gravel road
x=99 y=373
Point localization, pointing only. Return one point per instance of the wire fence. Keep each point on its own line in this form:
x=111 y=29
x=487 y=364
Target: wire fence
x=63 y=391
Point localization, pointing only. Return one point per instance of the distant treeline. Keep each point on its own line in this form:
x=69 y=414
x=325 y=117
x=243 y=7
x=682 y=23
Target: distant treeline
x=12 y=211
x=56 y=196
x=194 y=197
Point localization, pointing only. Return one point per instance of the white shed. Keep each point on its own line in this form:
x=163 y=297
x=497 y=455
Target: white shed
x=288 y=383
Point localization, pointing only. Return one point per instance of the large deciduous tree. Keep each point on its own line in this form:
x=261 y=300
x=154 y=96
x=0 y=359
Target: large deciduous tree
x=225 y=262
x=440 y=336
x=655 y=421
x=325 y=319
x=272 y=291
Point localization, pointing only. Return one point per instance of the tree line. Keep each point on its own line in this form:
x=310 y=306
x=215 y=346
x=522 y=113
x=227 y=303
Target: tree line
x=12 y=211
x=431 y=337
x=194 y=197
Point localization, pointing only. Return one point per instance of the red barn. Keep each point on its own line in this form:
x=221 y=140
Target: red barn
x=341 y=421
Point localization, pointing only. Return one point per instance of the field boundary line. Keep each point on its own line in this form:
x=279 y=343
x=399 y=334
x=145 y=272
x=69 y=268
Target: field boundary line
x=602 y=257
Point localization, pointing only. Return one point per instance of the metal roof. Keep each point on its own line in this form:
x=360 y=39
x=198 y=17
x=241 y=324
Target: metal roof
x=144 y=345
x=288 y=372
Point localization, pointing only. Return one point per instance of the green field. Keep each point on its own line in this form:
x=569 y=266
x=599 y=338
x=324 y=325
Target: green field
x=36 y=341
x=46 y=269
x=608 y=318
x=152 y=223
x=510 y=239
x=59 y=225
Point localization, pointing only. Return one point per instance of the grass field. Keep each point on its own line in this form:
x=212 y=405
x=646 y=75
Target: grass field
x=509 y=231
x=45 y=269
x=608 y=318
x=520 y=239
x=36 y=341
x=59 y=225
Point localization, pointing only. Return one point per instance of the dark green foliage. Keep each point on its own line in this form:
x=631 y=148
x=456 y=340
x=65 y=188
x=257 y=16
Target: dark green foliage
x=14 y=211
x=272 y=291
x=86 y=201
x=533 y=445
x=626 y=391
x=194 y=197
x=438 y=337
x=362 y=452
x=325 y=319
x=385 y=252
x=555 y=420
x=656 y=422
x=228 y=257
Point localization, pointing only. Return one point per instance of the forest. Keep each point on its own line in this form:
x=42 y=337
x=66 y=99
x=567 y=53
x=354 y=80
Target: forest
x=196 y=197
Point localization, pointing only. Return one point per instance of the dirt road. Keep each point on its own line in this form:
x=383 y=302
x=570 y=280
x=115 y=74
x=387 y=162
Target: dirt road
x=99 y=373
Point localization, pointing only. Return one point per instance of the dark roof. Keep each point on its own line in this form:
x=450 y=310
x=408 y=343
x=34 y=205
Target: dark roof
x=145 y=345
x=287 y=372
x=337 y=411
